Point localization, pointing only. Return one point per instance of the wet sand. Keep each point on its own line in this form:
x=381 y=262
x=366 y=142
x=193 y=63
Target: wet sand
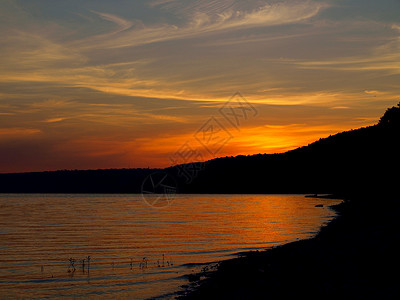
x=354 y=257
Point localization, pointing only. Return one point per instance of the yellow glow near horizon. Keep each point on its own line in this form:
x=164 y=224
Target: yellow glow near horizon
x=87 y=85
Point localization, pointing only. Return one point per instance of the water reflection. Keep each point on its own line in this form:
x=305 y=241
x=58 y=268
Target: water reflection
x=116 y=245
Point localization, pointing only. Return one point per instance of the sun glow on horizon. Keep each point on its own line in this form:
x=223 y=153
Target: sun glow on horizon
x=89 y=85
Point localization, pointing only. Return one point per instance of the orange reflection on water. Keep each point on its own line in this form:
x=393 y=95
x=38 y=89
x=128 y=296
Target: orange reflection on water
x=136 y=251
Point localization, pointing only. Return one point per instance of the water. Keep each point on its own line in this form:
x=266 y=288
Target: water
x=137 y=251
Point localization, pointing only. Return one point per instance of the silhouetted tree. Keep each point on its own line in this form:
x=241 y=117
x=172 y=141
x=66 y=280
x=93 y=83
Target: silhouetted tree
x=391 y=118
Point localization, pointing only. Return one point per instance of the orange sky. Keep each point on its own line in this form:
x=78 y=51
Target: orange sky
x=110 y=85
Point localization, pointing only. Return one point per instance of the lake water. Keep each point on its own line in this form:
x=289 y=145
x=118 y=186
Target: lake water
x=137 y=251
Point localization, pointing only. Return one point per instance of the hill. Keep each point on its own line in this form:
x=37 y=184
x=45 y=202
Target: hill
x=357 y=161
x=361 y=161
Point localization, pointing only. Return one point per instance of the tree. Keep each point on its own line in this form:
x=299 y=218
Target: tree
x=391 y=118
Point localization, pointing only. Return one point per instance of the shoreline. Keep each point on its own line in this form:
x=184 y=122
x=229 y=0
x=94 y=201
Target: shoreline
x=352 y=256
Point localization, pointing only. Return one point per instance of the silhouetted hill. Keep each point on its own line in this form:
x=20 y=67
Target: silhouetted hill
x=75 y=181
x=353 y=162
x=363 y=161
x=354 y=255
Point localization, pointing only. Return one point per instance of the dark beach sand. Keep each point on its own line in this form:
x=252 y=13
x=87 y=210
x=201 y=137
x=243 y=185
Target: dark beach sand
x=354 y=257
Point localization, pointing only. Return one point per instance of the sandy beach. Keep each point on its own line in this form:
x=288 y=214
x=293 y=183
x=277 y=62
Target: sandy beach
x=353 y=257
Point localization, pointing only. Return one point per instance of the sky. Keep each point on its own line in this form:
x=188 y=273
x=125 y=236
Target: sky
x=95 y=84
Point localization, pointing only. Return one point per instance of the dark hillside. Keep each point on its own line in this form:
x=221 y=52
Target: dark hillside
x=357 y=161
x=361 y=161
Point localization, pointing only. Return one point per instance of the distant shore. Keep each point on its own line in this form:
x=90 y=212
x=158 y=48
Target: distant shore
x=353 y=257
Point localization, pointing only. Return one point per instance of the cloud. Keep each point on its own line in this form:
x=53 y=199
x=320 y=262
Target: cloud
x=155 y=3
x=371 y=92
x=18 y=132
x=188 y=7
x=26 y=50
x=382 y=58
x=340 y=107
x=106 y=114
x=70 y=63
x=204 y=22
x=54 y=120
x=99 y=74
x=122 y=23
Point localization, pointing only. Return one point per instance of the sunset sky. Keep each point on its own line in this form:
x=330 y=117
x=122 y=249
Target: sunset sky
x=93 y=84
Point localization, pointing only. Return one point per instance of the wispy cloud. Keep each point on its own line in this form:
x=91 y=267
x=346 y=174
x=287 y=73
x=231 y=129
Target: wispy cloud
x=101 y=84
x=154 y=3
x=122 y=23
x=36 y=58
x=17 y=132
x=201 y=22
x=385 y=57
